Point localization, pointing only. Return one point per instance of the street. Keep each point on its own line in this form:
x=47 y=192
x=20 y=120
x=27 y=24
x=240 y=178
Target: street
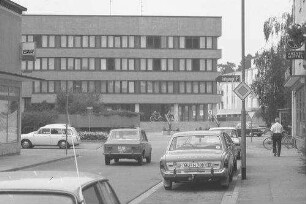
x=130 y=180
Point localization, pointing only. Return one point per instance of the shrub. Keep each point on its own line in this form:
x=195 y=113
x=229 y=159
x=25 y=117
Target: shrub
x=89 y=136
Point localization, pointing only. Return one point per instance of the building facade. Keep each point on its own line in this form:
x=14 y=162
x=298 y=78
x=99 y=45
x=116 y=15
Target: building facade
x=136 y=63
x=231 y=104
x=10 y=78
x=296 y=81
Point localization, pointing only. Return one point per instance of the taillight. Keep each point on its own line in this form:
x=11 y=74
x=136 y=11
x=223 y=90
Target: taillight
x=171 y=166
x=162 y=165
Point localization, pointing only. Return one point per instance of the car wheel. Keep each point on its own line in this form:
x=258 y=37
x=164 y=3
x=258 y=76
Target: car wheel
x=107 y=160
x=62 y=144
x=26 y=144
x=140 y=160
x=167 y=184
x=117 y=160
x=225 y=182
x=148 y=159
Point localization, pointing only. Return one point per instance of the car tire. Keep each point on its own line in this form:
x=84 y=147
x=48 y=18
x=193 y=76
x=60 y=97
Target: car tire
x=26 y=144
x=167 y=184
x=225 y=182
x=140 y=160
x=148 y=159
x=62 y=144
x=116 y=160
x=107 y=160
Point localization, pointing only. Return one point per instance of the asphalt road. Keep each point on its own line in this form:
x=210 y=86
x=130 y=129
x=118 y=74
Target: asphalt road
x=130 y=180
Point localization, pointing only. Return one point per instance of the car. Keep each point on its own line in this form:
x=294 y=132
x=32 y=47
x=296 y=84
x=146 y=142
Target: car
x=232 y=132
x=198 y=156
x=127 y=144
x=51 y=135
x=53 y=187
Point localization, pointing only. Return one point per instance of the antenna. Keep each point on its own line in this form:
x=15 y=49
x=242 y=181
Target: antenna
x=141 y=7
x=110 y=7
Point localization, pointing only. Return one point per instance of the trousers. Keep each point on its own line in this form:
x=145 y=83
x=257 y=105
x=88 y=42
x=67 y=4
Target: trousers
x=277 y=139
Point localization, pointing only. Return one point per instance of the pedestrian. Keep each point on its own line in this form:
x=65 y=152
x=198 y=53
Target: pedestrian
x=277 y=130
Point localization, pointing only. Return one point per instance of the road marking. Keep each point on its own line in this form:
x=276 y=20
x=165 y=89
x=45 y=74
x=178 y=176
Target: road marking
x=146 y=194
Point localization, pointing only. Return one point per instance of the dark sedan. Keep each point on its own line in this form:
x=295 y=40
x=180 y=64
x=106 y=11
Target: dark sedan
x=127 y=144
x=198 y=156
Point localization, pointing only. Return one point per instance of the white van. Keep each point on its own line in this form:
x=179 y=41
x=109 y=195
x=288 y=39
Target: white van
x=53 y=134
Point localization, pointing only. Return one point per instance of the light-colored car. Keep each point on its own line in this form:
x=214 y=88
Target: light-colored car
x=232 y=132
x=198 y=156
x=52 y=187
x=51 y=135
x=127 y=144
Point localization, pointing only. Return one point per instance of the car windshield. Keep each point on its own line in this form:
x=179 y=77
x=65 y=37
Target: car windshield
x=230 y=132
x=124 y=135
x=35 y=198
x=196 y=142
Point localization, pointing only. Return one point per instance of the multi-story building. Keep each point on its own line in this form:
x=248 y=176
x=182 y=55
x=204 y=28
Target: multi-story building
x=231 y=104
x=10 y=78
x=296 y=81
x=137 y=63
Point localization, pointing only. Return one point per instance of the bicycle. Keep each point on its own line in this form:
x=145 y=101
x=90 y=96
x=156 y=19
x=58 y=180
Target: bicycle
x=287 y=140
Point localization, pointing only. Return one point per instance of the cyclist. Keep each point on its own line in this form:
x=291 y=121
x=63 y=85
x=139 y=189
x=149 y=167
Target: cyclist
x=277 y=130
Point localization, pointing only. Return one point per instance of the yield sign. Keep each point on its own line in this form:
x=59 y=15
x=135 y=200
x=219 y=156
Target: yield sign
x=242 y=90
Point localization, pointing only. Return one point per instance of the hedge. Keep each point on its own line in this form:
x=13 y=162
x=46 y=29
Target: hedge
x=89 y=136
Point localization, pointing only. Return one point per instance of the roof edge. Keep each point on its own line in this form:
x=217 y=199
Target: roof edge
x=12 y=6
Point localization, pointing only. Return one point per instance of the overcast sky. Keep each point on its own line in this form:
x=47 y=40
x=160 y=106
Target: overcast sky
x=256 y=12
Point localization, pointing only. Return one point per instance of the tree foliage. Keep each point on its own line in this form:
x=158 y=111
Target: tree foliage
x=272 y=65
x=226 y=68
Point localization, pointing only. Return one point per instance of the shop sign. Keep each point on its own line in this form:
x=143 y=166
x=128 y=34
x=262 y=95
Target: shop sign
x=294 y=54
x=228 y=78
x=28 y=51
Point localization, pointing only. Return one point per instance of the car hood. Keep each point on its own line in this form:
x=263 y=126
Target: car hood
x=28 y=134
x=116 y=142
x=195 y=155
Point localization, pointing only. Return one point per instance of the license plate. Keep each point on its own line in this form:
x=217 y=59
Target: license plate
x=197 y=165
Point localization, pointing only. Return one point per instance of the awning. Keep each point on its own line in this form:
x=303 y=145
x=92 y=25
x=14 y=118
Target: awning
x=18 y=77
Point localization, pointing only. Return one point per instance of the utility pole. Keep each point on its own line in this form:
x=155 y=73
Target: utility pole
x=243 y=113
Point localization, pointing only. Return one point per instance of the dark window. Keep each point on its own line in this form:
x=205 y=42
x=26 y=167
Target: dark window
x=156 y=65
x=195 y=65
x=153 y=42
x=110 y=64
x=77 y=86
x=192 y=42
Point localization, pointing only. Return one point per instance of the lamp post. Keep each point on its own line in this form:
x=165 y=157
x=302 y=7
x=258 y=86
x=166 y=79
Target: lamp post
x=67 y=122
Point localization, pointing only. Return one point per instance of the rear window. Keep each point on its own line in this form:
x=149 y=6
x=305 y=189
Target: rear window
x=124 y=135
x=35 y=198
x=196 y=142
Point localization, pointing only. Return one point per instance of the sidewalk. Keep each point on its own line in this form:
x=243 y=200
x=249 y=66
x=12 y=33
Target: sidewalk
x=270 y=179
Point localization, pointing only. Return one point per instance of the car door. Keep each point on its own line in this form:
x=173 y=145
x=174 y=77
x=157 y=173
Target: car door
x=147 y=145
x=42 y=137
x=229 y=146
x=56 y=135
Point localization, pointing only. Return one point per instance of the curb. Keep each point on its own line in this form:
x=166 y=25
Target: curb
x=38 y=164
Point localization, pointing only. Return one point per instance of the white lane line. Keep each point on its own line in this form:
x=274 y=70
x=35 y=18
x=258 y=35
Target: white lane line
x=146 y=194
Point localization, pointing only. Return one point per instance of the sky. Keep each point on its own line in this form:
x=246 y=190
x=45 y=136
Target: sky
x=256 y=13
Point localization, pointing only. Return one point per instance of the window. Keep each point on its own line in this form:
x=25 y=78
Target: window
x=110 y=41
x=195 y=87
x=51 y=41
x=164 y=64
x=91 y=63
x=202 y=87
x=84 y=86
x=63 y=63
x=195 y=65
x=143 y=65
x=63 y=41
x=131 y=64
x=143 y=41
x=92 y=87
x=30 y=65
x=37 y=64
x=142 y=87
x=182 y=42
x=124 y=65
x=23 y=65
x=44 y=42
x=170 y=42
x=77 y=64
x=117 y=86
x=36 y=86
x=23 y=38
x=117 y=41
x=156 y=65
x=153 y=42
x=202 y=65
x=124 y=87
x=103 y=41
x=84 y=63
x=163 y=87
x=156 y=87
x=175 y=42
x=44 y=63
x=124 y=41
x=182 y=87
x=51 y=86
x=103 y=87
x=170 y=87
x=131 y=41
x=103 y=64
x=110 y=64
x=92 y=41
x=85 y=41
x=188 y=87
x=209 y=87
x=110 y=86
x=209 y=65
x=182 y=64
x=188 y=64
x=192 y=42
x=91 y=195
x=70 y=41
x=202 y=42
x=70 y=63
x=149 y=87
x=77 y=41
x=117 y=64
x=209 y=42
x=70 y=85
x=51 y=64
x=150 y=64
x=131 y=87
x=170 y=64
x=63 y=86
x=44 y=86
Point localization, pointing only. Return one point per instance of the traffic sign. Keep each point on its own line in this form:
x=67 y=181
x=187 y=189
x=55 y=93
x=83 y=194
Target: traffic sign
x=242 y=90
x=251 y=114
x=228 y=78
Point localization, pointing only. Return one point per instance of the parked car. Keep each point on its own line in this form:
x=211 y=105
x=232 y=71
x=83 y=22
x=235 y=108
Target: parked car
x=232 y=132
x=52 y=187
x=127 y=144
x=51 y=135
x=198 y=156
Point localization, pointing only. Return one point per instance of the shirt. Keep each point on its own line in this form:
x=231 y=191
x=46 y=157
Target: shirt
x=277 y=128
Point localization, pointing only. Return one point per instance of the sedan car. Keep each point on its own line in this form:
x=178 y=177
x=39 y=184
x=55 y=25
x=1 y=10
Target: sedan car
x=198 y=156
x=232 y=132
x=53 y=187
x=127 y=144
x=51 y=135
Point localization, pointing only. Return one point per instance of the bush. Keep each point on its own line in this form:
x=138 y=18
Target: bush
x=89 y=136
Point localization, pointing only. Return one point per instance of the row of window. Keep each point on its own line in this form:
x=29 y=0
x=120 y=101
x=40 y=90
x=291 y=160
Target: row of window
x=110 y=41
x=149 y=87
x=117 y=64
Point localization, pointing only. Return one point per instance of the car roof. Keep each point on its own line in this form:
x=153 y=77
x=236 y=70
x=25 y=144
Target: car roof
x=46 y=181
x=197 y=132
x=59 y=125
x=222 y=128
x=124 y=129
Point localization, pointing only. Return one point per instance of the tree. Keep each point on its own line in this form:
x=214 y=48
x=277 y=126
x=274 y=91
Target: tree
x=248 y=62
x=272 y=64
x=226 y=68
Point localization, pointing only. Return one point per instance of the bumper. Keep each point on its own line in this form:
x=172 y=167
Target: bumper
x=123 y=156
x=196 y=176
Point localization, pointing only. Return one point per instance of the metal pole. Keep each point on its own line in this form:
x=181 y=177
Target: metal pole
x=66 y=122
x=243 y=116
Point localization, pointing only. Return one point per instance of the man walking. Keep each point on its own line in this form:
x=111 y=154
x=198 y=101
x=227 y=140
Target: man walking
x=277 y=130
